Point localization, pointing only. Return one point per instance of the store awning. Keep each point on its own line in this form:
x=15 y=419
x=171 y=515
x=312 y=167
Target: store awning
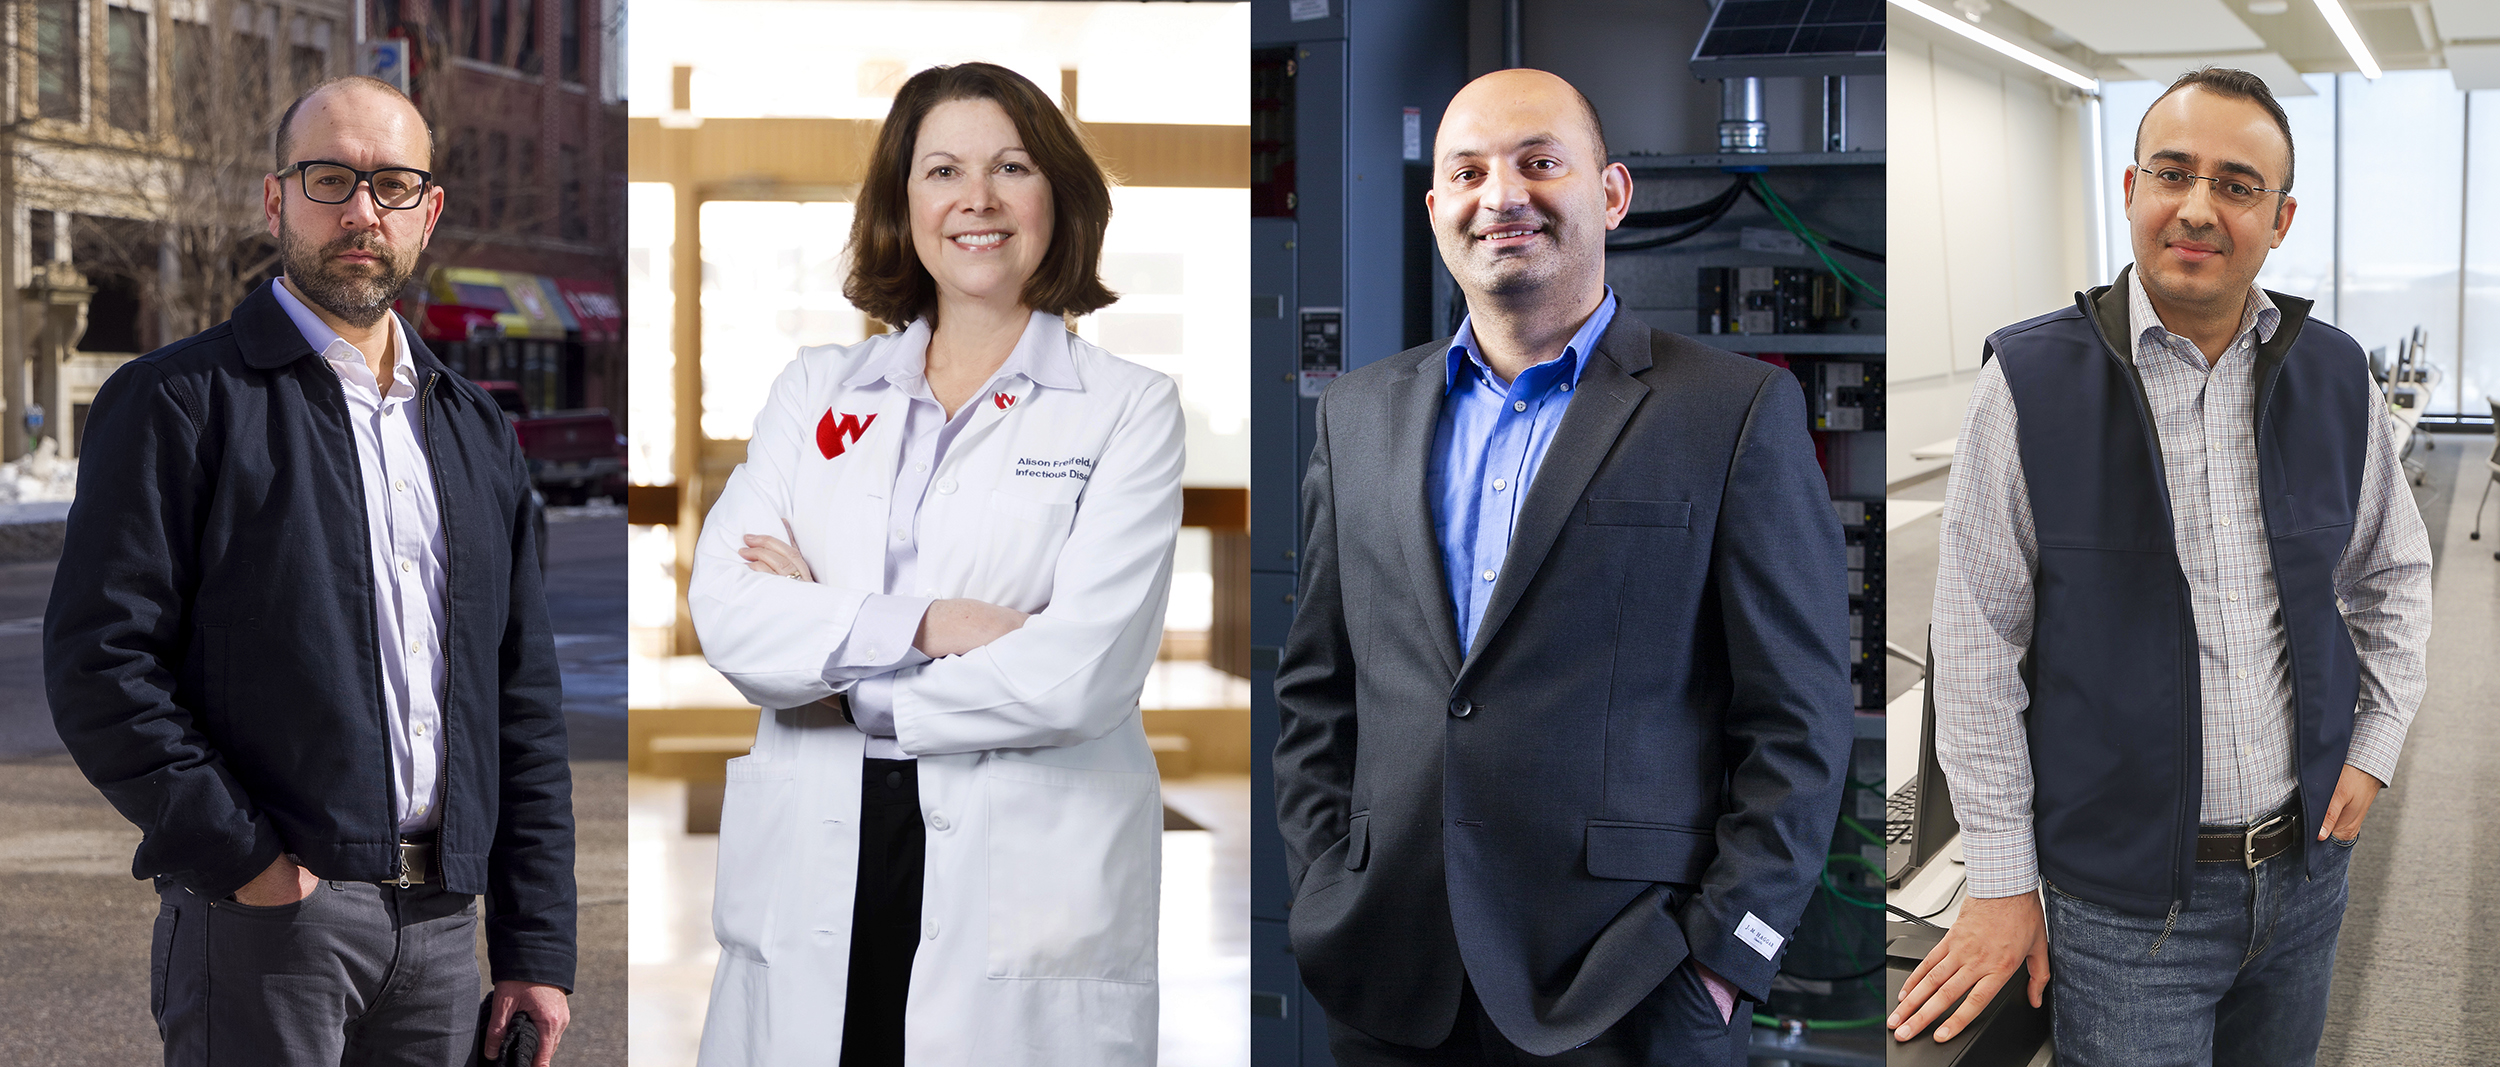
x=524 y=305
x=594 y=306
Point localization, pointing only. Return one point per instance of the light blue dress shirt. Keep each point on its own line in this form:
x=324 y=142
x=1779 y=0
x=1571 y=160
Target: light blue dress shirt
x=1485 y=452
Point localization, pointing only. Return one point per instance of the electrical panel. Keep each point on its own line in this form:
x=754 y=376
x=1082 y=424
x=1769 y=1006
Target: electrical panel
x=1768 y=300
x=1844 y=395
x=1862 y=528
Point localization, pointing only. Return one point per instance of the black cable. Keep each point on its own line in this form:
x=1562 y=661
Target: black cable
x=1919 y=919
x=1678 y=216
x=1922 y=919
x=1711 y=210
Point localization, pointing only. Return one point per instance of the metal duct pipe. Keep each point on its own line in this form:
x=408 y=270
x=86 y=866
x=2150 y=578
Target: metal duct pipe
x=1835 y=113
x=1514 y=47
x=1740 y=116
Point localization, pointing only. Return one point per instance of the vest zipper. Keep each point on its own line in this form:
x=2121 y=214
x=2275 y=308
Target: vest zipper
x=2191 y=741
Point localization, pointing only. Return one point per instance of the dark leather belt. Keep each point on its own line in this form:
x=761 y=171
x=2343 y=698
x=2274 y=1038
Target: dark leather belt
x=2251 y=846
x=417 y=857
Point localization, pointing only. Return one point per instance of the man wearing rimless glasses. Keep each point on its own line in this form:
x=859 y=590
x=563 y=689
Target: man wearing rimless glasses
x=2182 y=599
x=297 y=635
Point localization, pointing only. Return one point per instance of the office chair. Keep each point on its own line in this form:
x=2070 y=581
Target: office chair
x=2494 y=464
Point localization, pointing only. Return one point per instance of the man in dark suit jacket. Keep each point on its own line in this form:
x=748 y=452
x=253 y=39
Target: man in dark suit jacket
x=1565 y=702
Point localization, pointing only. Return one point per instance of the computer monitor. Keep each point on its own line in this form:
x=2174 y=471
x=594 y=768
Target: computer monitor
x=2378 y=363
x=1931 y=821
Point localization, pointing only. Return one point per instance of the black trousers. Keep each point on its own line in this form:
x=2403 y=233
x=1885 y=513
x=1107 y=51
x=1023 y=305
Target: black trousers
x=1675 y=1026
x=885 y=912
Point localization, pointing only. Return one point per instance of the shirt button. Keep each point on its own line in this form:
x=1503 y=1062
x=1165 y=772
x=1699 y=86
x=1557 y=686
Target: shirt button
x=400 y=485
x=2226 y=522
x=875 y=654
x=919 y=468
x=2234 y=596
x=1500 y=484
x=1461 y=708
x=937 y=820
x=405 y=566
x=420 y=729
x=946 y=485
x=1488 y=576
x=1566 y=387
x=415 y=647
x=1519 y=405
x=929 y=930
x=2243 y=672
x=898 y=533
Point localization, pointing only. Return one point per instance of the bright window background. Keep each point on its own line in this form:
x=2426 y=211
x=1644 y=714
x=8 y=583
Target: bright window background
x=2399 y=222
x=1140 y=62
x=772 y=282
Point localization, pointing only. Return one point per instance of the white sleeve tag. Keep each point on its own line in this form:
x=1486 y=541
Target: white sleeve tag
x=1757 y=933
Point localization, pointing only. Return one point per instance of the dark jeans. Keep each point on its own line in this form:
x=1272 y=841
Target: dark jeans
x=2240 y=980
x=1676 y=1024
x=885 y=912
x=355 y=974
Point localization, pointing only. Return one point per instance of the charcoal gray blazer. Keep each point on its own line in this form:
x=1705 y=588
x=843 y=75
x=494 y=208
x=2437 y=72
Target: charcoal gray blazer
x=1641 y=758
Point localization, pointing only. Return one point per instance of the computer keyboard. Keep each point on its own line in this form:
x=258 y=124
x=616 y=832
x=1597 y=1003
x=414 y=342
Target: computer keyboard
x=1899 y=809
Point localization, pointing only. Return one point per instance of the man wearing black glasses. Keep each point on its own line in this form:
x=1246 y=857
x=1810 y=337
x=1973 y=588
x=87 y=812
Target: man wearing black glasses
x=2182 y=599
x=297 y=635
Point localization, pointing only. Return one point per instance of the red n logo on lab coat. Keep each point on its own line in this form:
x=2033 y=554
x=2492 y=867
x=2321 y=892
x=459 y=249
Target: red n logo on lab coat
x=833 y=436
x=1004 y=401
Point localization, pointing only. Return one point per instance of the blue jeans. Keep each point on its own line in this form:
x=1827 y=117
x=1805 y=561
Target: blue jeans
x=2239 y=980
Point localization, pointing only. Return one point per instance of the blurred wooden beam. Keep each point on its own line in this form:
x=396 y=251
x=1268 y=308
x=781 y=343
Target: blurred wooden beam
x=834 y=152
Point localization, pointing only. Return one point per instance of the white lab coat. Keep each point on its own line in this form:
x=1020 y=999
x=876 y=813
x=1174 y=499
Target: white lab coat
x=1042 y=807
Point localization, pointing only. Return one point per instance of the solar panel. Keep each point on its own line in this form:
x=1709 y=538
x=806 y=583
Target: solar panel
x=1776 y=38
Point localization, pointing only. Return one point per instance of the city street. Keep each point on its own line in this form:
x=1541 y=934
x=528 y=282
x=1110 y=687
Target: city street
x=74 y=926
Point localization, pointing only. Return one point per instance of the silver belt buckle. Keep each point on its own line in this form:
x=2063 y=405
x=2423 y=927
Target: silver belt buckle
x=2248 y=840
x=411 y=865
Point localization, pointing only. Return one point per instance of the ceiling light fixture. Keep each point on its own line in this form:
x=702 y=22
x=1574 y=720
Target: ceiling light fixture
x=2344 y=31
x=2026 y=56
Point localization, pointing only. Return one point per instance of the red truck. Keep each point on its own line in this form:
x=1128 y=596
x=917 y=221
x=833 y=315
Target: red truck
x=573 y=455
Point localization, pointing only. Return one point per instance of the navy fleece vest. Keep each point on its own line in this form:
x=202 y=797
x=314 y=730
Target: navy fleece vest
x=2115 y=722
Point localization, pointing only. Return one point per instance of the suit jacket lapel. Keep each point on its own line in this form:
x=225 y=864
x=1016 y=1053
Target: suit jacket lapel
x=1415 y=414
x=1602 y=402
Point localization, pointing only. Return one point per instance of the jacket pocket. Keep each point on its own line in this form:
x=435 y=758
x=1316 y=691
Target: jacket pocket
x=757 y=824
x=161 y=955
x=1649 y=852
x=1640 y=512
x=1075 y=872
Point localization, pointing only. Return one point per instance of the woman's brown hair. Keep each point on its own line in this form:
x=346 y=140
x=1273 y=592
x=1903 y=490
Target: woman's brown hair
x=887 y=279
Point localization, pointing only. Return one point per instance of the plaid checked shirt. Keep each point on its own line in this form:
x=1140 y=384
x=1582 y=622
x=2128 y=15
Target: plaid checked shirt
x=2206 y=421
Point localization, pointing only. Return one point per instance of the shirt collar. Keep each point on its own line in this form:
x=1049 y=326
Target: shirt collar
x=2144 y=324
x=1041 y=355
x=1463 y=353
x=341 y=354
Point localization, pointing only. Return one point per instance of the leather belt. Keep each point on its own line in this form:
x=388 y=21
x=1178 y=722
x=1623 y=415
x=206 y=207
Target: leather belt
x=417 y=857
x=2253 y=845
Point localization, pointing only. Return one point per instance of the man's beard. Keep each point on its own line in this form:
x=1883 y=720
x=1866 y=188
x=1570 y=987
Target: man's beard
x=357 y=299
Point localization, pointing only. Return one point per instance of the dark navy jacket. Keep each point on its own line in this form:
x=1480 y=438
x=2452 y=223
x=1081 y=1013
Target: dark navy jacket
x=1643 y=750
x=210 y=648
x=2115 y=722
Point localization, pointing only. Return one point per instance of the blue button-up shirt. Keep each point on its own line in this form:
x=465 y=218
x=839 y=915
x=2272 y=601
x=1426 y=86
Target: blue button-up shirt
x=1485 y=452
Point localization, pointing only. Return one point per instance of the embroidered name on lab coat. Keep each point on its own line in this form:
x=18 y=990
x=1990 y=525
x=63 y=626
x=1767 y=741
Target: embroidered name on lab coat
x=1078 y=467
x=833 y=436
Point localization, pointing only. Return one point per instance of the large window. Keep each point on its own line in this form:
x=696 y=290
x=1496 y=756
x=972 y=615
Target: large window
x=127 y=49
x=59 y=70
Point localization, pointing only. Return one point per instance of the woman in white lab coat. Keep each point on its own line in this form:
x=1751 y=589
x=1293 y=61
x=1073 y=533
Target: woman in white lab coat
x=942 y=570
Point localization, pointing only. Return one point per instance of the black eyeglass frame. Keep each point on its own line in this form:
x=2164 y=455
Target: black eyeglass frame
x=364 y=179
x=2195 y=177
